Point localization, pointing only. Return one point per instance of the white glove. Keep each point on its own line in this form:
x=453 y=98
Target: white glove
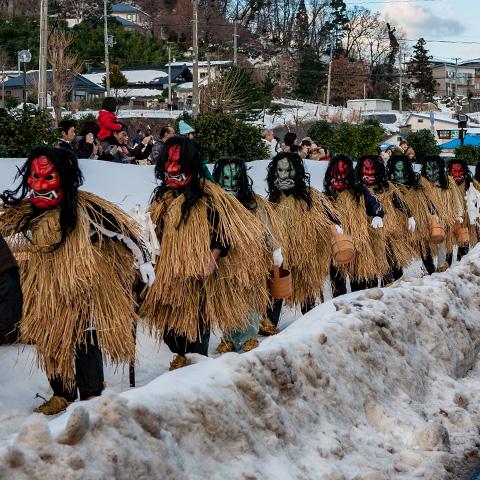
x=412 y=224
x=339 y=229
x=148 y=273
x=377 y=222
x=277 y=257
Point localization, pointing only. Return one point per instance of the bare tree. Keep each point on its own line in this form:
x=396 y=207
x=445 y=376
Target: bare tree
x=65 y=67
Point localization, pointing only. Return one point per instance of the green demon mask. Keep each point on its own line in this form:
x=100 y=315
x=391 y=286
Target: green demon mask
x=229 y=178
x=285 y=175
x=399 y=173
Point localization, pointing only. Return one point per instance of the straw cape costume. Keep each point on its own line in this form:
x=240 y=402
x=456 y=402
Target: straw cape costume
x=231 y=175
x=399 y=224
x=78 y=270
x=445 y=199
x=401 y=174
x=459 y=172
x=360 y=214
x=304 y=220
x=211 y=256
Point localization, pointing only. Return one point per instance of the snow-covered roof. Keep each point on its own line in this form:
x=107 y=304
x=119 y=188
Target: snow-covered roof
x=139 y=92
x=125 y=23
x=200 y=64
x=125 y=8
x=133 y=76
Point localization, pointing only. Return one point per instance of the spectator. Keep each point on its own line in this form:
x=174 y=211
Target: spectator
x=185 y=129
x=165 y=134
x=316 y=153
x=107 y=119
x=115 y=149
x=66 y=129
x=304 y=150
x=290 y=142
x=324 y=154
x=138 y=137
x=404 y=146
x=87 y=143
x=411 y=154
x=387 y=154
x=271 y=143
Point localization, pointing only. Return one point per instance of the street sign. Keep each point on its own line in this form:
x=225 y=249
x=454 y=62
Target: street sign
x=447 y=134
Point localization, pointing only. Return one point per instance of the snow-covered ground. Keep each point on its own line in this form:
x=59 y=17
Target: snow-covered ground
x=381 y=384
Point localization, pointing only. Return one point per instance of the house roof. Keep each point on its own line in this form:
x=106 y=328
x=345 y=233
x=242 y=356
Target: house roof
x=126 y=23
x=470 y=139
x=139 y=76
x=32 y=79
x=439 y=116
x=125 y=8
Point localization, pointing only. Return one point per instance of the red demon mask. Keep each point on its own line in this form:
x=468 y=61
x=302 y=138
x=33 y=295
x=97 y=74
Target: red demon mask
x=457 y=172
x=174 y=177
x=45 y=184
x=339 y=177
x=368 y=173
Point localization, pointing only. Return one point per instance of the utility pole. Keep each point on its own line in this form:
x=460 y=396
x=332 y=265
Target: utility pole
x=235 y=42
x=42 y=56
x=195 y=90
x=4 y=79
x=169 y=76
x=400 y=78
x=105 y=41
x=329 y=81
x=456 y=85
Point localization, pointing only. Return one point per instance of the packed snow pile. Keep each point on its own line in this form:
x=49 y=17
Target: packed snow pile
x=381 y=384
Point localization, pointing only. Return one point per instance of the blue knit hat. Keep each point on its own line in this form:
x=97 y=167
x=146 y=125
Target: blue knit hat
x=185 y=128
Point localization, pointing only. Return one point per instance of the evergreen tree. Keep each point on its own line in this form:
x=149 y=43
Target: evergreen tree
x=311 y=75
x=336 y=23
x=301 y=26
x=419 y=69
x=117 y=79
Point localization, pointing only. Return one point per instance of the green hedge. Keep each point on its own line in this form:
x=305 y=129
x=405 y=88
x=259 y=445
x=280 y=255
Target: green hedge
x=347 y=139
x=21 y=130
x=225 y=135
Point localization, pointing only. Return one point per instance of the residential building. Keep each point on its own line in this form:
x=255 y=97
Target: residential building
x=461 y=78
x=82 y=88
x=130 y=16
x=370 y=105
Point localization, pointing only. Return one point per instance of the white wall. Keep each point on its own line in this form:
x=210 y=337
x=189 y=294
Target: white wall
x=128 y=185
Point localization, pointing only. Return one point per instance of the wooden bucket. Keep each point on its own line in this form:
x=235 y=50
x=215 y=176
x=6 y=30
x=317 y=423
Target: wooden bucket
x=462 y=234
x=437 y=232
x=343 y=250
x=280 y=283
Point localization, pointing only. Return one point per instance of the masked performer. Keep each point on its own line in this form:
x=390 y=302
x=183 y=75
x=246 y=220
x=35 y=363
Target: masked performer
x=10 y=294
x=395 y=239
x=78 y=275
x=231 y=175
x=360 y=214
x=304 y=218
x=401 y=174
x=445 y=199
x=460 y=173
x=211 y=256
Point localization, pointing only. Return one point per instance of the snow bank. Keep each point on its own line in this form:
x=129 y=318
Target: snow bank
x=371 y=386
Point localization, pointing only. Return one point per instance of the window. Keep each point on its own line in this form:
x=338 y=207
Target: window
x=420 y=120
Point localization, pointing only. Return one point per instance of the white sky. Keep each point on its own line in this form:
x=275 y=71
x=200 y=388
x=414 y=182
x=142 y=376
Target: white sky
x=448 y=20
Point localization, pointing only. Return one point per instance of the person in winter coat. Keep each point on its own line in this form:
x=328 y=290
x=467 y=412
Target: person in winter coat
x=185 y=129
x=107 y=119
x=115 y=148
x=272 y=144
x=87 y=144
x=11 y=299
x=66 y=130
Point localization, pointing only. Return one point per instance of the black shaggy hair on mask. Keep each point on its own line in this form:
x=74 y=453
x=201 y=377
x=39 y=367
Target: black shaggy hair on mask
x=410 y=175
x=301 y=188
x=443 y=180
x=245 y=195
x=191 y=162
x=467 y=173
x=71 y=179
x=381 y=181
x=332 y=171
